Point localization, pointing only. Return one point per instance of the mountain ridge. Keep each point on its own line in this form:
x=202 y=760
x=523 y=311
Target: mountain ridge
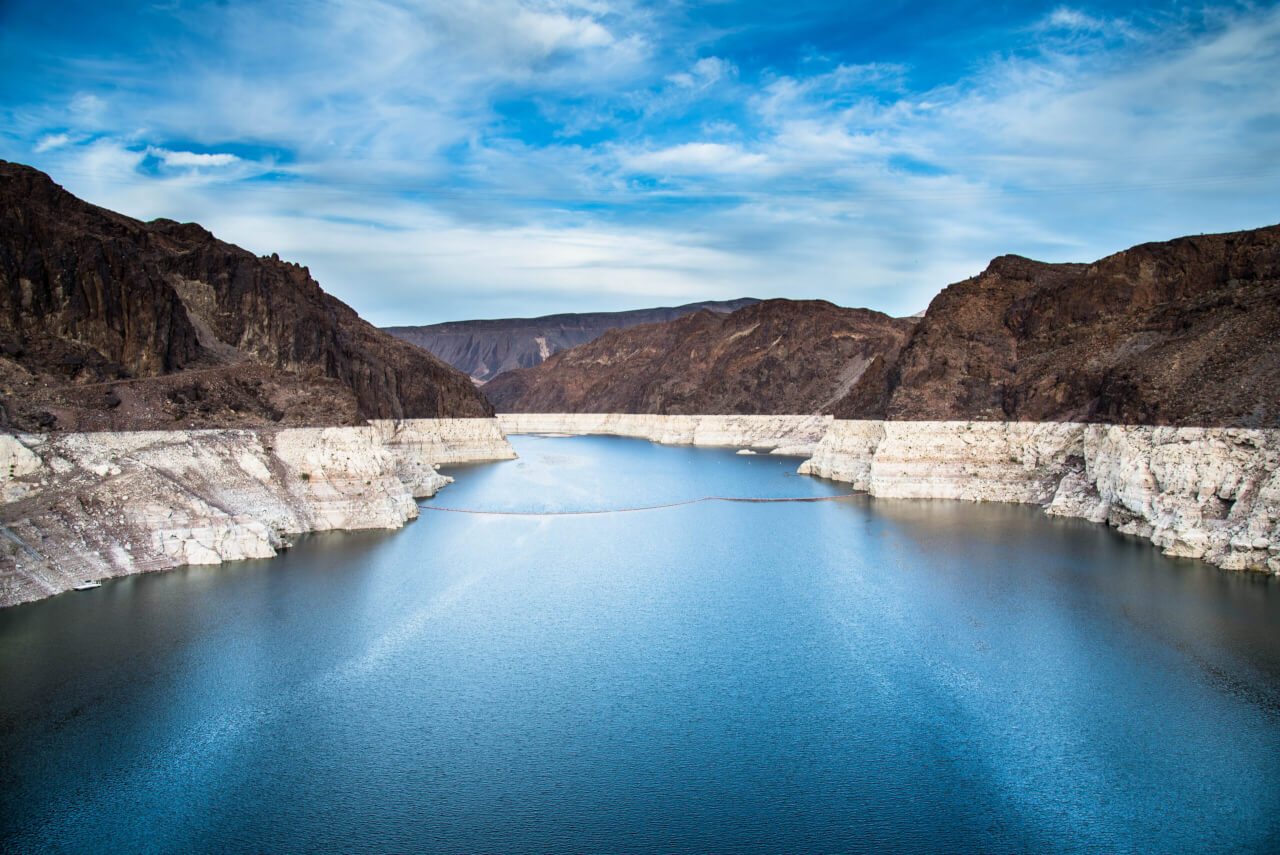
x=487 y=347
x=1183 y=332
x=771 y=356
x=108 y=322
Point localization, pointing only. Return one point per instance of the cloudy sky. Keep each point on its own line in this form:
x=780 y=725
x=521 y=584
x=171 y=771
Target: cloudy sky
x=435 y=160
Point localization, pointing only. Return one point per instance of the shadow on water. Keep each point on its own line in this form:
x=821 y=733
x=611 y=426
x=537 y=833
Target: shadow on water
x=854 y=675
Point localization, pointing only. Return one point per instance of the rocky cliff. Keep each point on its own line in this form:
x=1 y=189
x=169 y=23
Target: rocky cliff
x=83 y=506
x=1207 y=493
x=484 y=349
x=778 y=356
x=1185 y=332
x=111 y=323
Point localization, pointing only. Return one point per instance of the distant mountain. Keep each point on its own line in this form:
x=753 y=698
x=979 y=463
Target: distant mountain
x=107 y=322
x=484 y=349
x=1183 y=332
x=778 y=356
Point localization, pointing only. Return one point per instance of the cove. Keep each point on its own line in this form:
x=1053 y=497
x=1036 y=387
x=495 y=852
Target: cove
x=854 y=675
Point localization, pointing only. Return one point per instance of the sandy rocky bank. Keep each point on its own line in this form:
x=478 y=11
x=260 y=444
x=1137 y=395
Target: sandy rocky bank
x=81 y=506
x=1207 y=493
x=78 y=506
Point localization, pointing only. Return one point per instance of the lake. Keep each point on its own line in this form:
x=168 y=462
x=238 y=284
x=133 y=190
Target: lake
x=853 y=675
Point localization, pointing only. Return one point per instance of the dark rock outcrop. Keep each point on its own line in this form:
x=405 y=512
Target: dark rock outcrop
x=779 y=356
x=484 y=349
x=109 y=322
x=1184 y=332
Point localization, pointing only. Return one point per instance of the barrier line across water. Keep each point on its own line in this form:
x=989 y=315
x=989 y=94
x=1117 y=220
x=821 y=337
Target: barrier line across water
x=643 y=508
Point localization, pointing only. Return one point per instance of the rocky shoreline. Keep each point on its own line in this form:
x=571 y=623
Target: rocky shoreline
x=1206 y=493
x=90 y=506
x=797 y=436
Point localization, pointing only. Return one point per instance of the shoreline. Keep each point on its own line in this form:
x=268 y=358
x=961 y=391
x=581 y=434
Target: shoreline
x=83 y=507
x=91 y=506
x=1207 y=493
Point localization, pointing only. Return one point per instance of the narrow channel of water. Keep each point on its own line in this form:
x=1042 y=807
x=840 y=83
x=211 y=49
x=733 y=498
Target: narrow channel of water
x=845 y=676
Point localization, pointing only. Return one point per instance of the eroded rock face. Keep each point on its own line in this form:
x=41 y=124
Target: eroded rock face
x=779 y=356
x=1207 y=493
x=791 y=435
x=110 y=323
x=1202 y=493
x=94 y=505
x=485 y=349
x=1176 y=333
x=1182 y=332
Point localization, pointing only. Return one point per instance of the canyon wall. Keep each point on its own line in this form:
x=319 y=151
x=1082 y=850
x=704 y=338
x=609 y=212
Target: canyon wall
x=1208 y=493
x=778 y=356
x=1178 y=333
x=486 y=348
x=87 y=506
x=793 y=435
x=111 y=324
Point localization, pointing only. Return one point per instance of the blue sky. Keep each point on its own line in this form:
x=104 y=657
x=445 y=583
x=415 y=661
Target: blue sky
x=434 y=161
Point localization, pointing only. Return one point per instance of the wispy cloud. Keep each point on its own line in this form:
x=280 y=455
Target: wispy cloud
x=1065 y=18
x=51 y=141
x=697 y=159
x=190 y=158
x=434 y=160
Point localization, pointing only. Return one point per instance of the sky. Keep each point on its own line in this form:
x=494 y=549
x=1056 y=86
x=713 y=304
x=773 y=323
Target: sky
x=433 y=160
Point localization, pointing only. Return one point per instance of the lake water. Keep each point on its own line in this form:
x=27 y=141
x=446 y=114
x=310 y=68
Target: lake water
x=844 y=676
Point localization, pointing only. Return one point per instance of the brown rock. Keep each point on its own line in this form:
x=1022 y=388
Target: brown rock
x=779 y=356
x=1185 y=332
x=487 y=348
x=88 y=296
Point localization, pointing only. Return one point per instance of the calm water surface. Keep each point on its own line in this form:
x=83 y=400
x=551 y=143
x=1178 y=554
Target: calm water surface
x=844 y=676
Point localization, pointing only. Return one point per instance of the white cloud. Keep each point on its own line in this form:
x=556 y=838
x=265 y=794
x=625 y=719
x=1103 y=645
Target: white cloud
x=549 y=33
x=1186 y=110
x=52 y=141
x=1064 y=18
x=705 y=72
x=191 y=159
x=697 y=158
x=414 y=193
x=87 y=109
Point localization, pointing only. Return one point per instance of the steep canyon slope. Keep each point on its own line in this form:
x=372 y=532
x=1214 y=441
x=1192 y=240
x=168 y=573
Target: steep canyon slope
x=1183 y=332
x=109 y=323
x=484 y=349
x=779 y=356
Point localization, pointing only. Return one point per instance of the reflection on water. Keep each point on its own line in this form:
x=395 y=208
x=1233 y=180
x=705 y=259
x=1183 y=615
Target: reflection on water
x=838 y=676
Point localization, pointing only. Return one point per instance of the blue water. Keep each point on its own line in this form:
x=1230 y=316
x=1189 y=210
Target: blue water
x=845 y=676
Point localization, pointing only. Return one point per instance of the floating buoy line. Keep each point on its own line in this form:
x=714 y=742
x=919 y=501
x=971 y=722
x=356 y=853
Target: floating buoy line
x=642 y=508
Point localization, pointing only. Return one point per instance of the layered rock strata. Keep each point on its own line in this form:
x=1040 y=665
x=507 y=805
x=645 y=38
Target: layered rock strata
x=1207 y=493
x=791 y=435
x=83 y=506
